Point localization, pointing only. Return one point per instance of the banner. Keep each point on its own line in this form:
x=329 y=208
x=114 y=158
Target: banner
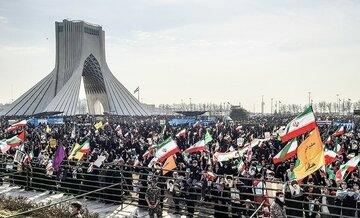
x=310 y=155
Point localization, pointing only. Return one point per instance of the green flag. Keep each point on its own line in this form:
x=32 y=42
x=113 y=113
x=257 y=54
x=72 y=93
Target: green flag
x=208 y=137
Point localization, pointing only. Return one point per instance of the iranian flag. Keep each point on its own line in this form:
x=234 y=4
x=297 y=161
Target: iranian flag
x=241 y=167
x=339 y=132
x=17 y=125
x=85 y=147
x=181 y=134
x=328 y=141
x=330 y=156
x=238 y=128
x=12 y=142
x=337 y=148
x=151 y=149
x=301 y=124
x=166 y=149
x=348 y=167
x=287 y=152
x=197 y=147
x=210 y=176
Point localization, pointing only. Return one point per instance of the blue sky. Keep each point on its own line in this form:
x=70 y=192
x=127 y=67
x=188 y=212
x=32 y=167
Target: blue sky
x=211 y=51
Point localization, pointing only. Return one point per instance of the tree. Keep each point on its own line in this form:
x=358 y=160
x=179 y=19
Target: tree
x=322 y=106
x=238 y=113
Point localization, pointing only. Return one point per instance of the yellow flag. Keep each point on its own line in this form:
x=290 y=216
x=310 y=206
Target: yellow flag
x=52 y=143
x=79 y=155
x=169 y=164
x=74 y=151
x=310 y=155
x=99 y=125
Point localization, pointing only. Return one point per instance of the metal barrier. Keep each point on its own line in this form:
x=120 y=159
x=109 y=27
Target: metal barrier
x=129 y=184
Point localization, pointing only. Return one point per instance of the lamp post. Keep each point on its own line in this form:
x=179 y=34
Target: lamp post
x=262 y=104
x=338 y=103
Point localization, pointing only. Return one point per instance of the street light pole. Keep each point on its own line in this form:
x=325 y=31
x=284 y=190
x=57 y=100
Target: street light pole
x=338 y=103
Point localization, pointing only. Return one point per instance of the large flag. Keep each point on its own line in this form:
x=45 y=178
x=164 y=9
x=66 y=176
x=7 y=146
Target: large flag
x=310 y=155
x=169 y=165
x=58 y=157
x=166 y=149
x=152 y=149
x=330 y=156
x=79 y=151
x=17 y=125
x=348 y=167
x=74 y=151
x=12 y=142
x=197 y=147
x=85 y=147
x=301 y=124
x=287 y=152
x=339 y=132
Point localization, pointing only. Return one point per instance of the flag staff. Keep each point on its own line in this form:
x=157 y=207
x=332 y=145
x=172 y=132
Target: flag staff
x=138 y=93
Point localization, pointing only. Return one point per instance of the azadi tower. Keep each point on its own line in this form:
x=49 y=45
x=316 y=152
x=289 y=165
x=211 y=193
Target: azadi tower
x=80 y=53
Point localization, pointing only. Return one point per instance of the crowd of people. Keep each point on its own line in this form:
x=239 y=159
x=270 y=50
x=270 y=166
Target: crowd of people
x=232 y=188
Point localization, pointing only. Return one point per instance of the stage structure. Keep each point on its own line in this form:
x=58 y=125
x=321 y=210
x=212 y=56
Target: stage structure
x=80 y=53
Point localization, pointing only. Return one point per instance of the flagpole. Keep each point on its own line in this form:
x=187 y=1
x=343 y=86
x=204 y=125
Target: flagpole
x=139 y=94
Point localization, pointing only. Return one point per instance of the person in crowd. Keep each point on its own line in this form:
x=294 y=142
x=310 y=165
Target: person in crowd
x=153 y=199
x=312 y=196
x=130 y=147
x=249 y=208
x=348 y=197
x=294 y=198
x=277 y=207
x=235 y=198
x=76 y=210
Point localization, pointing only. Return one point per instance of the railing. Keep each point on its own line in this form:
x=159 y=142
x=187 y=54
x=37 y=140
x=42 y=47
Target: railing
x=132 y=185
